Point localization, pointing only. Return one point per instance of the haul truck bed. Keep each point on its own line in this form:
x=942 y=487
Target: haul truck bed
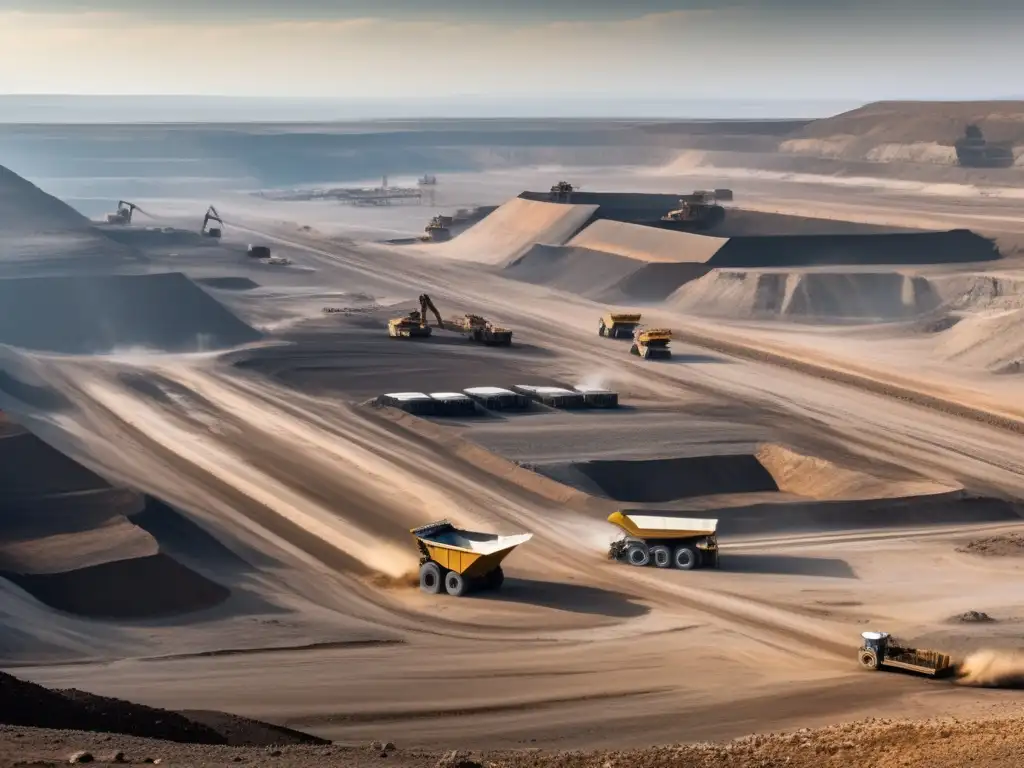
x=664 y=540
x=461 y=561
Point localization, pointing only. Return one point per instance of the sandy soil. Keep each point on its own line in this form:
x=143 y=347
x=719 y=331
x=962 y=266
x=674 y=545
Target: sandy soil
x=843 y=512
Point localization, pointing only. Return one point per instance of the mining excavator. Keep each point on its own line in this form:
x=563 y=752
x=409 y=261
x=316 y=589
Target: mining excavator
x=697 y=211
x=211 y=215
x=124 y=213
x=476 y=328
x=414 y=324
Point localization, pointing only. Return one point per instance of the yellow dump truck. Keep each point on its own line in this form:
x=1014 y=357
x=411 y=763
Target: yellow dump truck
x=480 y=330
x=879 y=650
x=664 y=539
x=652 y=343
x=461 y=561
x=618 y=326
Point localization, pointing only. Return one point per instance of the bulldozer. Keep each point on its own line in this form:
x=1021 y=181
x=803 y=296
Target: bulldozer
x=618 y=326
x=208 y=231
x=652 y=343
x=414 y=325
x=123 y=214
x=439 y=229
x=697 y=211
x=480 y=330
x=562 y=192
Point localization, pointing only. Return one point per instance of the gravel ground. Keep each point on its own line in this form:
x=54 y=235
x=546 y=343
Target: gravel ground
x=993 y=743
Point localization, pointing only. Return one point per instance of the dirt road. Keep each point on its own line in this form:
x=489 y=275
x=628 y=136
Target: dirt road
x=322 y=492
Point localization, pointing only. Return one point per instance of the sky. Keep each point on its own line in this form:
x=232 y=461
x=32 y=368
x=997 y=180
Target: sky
x=601 y=52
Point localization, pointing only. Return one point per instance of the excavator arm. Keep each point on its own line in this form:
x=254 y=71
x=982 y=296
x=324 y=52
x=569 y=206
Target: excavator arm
x=211 y=215
x=427 y=304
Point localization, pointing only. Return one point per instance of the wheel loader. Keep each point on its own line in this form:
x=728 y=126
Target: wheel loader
x=652 y=343
x=879 y=650
x=618 y=326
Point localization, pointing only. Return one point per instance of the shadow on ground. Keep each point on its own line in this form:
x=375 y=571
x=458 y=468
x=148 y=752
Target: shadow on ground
x=698 y=358
x=567 y=597
x=787 y=565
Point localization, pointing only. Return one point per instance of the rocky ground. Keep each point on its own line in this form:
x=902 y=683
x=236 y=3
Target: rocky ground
x=117 y=730
x=992 y=743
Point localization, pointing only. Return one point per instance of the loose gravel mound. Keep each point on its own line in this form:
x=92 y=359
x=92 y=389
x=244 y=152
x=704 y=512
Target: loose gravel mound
x=992 y=341
x=1001 y=545
x=815 y=478
x=93 y=314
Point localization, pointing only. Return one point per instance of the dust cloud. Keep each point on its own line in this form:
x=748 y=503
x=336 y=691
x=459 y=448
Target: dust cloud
x=992 y=669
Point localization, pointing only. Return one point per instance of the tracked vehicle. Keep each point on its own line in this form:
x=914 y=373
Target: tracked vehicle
x=123 y=214
x=480 y=330
x=414 y=325
x=209 y=231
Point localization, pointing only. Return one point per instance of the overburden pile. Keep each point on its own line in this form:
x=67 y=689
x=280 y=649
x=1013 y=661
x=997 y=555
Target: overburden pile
x=95 y=314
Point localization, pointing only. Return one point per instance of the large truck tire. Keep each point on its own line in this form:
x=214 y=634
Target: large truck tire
x=455 y=584
x=868 y=659
x=685 y=558
x=637 y=554
x=661 y=556
x=430 y=578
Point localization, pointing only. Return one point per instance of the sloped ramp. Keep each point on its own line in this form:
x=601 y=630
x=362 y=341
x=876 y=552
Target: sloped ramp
x=636 y=241
x=573 y=269
x=513 y=229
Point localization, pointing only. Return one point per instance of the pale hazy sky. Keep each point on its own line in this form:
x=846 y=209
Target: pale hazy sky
x=680 y=49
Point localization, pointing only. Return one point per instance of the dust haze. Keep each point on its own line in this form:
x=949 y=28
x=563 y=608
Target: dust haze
x=213 y=461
